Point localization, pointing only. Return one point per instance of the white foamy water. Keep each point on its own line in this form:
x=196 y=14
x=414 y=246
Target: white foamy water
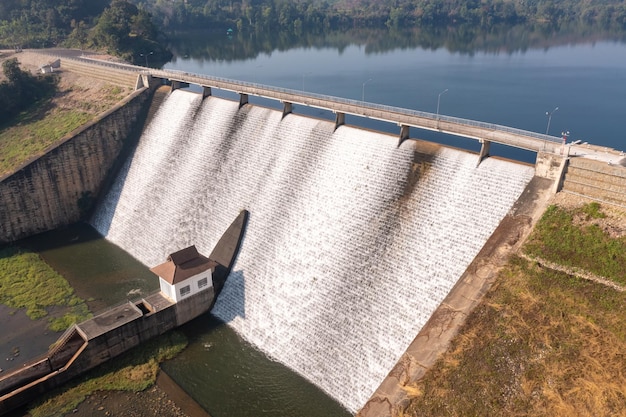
x=338 y=271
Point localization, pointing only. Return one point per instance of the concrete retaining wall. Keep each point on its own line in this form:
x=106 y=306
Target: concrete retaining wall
x=113 y=335
x=548 y=165
x=597 y=180
x=60 y=187
x=33 y=371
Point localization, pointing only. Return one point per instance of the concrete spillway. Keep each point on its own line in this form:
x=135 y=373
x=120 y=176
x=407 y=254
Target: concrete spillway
x=351 y=243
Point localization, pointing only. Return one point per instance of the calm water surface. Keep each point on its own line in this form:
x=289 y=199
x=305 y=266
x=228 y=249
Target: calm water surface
x=100 y=272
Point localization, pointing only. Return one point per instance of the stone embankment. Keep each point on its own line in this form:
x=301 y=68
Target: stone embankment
x=597 y=180
x=60 y=187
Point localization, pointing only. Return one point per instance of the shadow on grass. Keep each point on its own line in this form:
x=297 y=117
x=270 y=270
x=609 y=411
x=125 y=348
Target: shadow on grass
x=36 y=112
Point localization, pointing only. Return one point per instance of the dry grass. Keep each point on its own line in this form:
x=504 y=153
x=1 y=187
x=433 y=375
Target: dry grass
x=78 y=100
x=542 y=343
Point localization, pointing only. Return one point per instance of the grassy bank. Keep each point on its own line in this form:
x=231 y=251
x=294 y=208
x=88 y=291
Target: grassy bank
x=27 y=282
x=575 y=238
x=542 y=342
x=33 y=132
x=42 y=125
x=134 y=371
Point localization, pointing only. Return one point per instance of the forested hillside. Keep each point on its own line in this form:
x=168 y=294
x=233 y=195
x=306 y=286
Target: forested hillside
x=131 y=28
x=299 y=14
x=41 y=23
x=21 y=89
x=117 y=27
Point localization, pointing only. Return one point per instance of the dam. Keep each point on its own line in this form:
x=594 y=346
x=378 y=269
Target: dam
x=353 y=240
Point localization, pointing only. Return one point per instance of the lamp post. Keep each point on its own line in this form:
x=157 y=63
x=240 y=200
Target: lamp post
x=363 y=90
x=146 y=55
x=549 y=114
x=439 y=101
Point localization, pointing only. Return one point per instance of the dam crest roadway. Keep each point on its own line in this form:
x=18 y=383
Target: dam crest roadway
x=485 y=133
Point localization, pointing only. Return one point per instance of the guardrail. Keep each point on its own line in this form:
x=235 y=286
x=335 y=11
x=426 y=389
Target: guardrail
x=285 y=94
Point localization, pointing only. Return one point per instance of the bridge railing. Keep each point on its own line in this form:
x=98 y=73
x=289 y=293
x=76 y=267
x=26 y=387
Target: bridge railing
x=356 y=103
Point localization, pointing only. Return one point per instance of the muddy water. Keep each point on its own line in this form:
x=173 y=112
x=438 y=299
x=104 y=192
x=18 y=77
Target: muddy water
x=22 y=338
x=101 y=273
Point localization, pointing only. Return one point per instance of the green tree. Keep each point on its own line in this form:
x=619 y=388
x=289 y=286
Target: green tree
x=38 y=23
x=21 y=89
x=79 y=36
x=113 y=28
x=125 y=30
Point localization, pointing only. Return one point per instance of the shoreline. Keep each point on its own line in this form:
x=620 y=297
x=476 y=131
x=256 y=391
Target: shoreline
x=164 y=399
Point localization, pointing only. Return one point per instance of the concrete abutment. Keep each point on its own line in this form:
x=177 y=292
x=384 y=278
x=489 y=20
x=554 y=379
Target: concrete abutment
x=287 y=108
x=243 y=99
x=60 y=187
x=340 y=119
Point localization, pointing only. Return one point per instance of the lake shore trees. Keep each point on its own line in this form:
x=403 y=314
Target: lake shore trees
x=117 y=27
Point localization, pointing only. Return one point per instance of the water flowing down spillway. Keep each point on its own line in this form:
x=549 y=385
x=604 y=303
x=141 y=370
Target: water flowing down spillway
x=349 y=247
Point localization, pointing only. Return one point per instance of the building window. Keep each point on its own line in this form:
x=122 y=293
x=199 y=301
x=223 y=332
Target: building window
x=203 y=282
x=185 y=290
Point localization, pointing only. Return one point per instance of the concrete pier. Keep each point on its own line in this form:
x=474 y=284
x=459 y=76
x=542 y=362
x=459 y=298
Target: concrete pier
x=484 y=150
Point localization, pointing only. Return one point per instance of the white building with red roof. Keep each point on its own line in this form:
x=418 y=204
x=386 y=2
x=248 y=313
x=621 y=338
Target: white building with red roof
x=185 y=273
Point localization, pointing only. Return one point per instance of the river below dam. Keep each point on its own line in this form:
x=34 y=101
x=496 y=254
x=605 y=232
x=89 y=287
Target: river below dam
x=224 y=374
